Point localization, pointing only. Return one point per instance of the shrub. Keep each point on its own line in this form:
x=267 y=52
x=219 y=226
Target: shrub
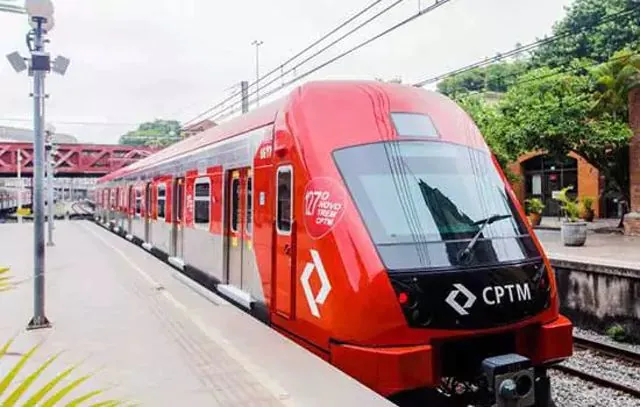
x=587 y=202
x=570 y=206
x=617 y=333
x=534 y=205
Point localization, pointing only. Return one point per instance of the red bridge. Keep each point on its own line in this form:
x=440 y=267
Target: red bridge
x=73 y=159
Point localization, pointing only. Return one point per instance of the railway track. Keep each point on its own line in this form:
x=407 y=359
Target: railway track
x=613 y=351
x=607 y=349
x=80 y=210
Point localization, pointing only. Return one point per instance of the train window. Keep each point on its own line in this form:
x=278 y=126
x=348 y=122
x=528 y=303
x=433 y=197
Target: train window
x=179 y=198
x=162 y=200
x=235 y=204
x=147 y=199
x=414 y=125
x=131 y=198
x=284 y=199
x=201 y=203
x=425 y=202
x=138 y=202
x=249 y=217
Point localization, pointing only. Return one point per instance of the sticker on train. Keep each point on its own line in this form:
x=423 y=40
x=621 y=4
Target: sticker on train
x=324 y=205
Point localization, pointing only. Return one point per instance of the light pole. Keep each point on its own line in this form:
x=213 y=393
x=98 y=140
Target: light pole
x=19 y=160
x=257 y=43
x=49 y=132
x=40 y=17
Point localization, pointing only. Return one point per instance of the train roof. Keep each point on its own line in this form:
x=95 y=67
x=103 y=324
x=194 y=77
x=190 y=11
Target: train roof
x=251 y=120
x=449 y=117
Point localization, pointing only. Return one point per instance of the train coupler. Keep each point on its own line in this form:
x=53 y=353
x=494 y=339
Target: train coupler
x=511 y=379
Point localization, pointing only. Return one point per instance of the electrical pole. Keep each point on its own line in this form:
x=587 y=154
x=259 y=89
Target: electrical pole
x=257 y=43
x=244 y=86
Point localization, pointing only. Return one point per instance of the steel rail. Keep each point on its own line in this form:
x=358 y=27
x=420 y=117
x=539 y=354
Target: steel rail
x=615 y=351
x=601 y=381
x=604 y=348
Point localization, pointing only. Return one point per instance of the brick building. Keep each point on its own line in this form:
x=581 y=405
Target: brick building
x=540 y=175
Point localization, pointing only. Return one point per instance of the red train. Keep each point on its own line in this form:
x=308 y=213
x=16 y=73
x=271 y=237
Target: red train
x=368 y=222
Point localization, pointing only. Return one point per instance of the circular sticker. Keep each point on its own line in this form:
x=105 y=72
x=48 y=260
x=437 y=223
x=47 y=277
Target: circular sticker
x=324 y=202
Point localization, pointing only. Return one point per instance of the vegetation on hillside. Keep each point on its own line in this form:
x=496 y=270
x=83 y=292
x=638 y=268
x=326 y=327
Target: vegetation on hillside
x=159 y=133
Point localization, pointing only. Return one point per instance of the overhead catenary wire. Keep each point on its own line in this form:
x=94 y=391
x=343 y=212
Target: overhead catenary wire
x=230 y=110
x=556 y=72
x=280 y=67
x=77 y=123
x=528 y=47
x=437 y=4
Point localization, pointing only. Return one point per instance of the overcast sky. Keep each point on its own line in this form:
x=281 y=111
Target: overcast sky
x=134 y=61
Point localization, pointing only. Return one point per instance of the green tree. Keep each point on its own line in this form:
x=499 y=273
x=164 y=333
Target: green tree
x=486 y=117
x=159 y=133
x=494 y=78
x=598 y=43
x=552 y=110
x=614 y=80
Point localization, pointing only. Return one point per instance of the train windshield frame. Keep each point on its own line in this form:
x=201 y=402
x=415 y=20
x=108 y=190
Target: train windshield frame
x=424 y=202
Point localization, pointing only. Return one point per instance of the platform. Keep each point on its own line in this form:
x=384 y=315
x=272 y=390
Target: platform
x=157 y=338
x=609 y=250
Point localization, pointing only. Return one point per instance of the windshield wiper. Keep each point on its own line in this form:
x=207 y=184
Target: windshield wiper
x=484 y=223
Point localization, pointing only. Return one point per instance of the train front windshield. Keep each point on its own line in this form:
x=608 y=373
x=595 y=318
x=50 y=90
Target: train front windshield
x=434 y=205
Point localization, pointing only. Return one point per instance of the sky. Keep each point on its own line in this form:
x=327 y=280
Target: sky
x=136 y=61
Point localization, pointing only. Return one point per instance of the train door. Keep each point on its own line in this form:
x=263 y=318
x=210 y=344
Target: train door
x=235 y=202
x=284 y=242
x=148 y=211
x=176 y=229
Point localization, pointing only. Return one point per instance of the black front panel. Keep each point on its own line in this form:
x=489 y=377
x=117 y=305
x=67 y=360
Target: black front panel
x=473 y=298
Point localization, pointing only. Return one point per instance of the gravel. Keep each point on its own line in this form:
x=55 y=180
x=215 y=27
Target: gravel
x=572 y=391
x=569 y=391
x=607 y=367
x=588 y=334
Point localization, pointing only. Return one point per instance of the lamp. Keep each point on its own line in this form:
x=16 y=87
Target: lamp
x=17 y=62
x=39 y=8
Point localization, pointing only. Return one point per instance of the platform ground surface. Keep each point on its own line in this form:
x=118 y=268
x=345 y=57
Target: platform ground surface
x=156 y=337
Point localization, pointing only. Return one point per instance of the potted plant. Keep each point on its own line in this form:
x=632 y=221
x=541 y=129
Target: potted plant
x=534 y=210
x=573 y=230
x=587 y=205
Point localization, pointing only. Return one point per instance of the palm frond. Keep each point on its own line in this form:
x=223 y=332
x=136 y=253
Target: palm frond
x=5 y=279
x=51 y=389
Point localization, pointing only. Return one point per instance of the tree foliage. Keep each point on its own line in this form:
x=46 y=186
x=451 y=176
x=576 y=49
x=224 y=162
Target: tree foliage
x=494 y=78
x=614 y=81
x=598 y=43
x=159 y=133
x=553 y=111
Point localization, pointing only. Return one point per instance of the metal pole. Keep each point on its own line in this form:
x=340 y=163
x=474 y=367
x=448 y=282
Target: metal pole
x=50 y=190
x=257 y=74
x=244 y=86
x=39 y=319
x=19 y=159
x=257 y=44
